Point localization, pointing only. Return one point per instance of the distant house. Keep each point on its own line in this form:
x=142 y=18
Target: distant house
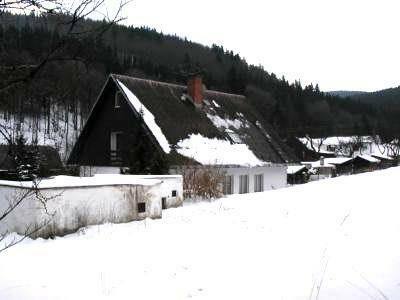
x=365 y=163
x=181 y=124
x=385 y=161
x=320 y=169
x=297 y=174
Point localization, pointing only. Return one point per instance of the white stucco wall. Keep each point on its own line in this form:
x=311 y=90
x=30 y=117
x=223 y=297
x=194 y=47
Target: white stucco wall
x=169 y=183
x=72 y=208
x=275 y=176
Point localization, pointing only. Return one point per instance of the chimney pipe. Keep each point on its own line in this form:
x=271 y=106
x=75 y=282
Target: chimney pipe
x=195 y=89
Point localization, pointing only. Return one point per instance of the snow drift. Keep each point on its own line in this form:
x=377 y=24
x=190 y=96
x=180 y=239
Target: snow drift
x=332 y=239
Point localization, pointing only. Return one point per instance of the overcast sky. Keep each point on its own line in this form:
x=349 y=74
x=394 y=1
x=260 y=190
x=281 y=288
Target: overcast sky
x=340 y=44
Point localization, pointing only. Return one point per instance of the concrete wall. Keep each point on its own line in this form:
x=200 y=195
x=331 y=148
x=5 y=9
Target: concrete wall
x=169 y=183
x=275 y=176
x=72 y=208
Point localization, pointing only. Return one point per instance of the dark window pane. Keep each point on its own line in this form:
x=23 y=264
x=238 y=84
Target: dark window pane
x=141 y=207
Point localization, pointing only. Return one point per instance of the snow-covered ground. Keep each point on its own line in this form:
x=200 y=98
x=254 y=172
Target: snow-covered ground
x=332 y=239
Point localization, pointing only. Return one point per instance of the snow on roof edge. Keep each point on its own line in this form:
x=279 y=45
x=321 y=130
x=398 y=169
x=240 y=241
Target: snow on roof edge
x=148 y=118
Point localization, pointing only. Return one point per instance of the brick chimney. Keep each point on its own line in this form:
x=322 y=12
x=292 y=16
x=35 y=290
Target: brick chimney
x=195 y=89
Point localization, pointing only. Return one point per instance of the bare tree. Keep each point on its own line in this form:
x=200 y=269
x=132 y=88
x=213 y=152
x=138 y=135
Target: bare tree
x=70 y=17
x=32 y=193
x=200 y=181
x=349 y=147
x=315 y=143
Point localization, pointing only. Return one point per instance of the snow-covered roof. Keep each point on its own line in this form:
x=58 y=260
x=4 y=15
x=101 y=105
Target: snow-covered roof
x=217 y=152
x=337 y=160
x=317 y=164
x=295 y=169
x=381 y=156
x=173 y=121
x=369 y=158
x=72 y=181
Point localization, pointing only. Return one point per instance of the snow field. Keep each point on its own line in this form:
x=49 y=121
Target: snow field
x=331 y=239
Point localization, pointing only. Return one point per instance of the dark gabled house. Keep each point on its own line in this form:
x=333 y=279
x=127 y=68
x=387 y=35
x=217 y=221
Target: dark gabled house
x=177 y=123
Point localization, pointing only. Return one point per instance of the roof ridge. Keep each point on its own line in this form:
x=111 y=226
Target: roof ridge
x=150 y=80
x=173 y=84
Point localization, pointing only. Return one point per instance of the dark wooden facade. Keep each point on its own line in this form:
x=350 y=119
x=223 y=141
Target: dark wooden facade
x=93 y=147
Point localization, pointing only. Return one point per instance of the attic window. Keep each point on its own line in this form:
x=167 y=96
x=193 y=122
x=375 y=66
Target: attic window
x=117 y=99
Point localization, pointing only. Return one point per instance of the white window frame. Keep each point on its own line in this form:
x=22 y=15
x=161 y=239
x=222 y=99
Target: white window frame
x=113 y=144
x=117 y=96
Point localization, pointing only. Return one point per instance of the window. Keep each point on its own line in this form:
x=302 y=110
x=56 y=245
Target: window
x=258 y=183
x=115 y=146
x=117 y=99
x=243 y=184
x=228 y=185
x=174 y=193
x=141 y=207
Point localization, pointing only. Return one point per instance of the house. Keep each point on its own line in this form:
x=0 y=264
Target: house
x=365 y=163
x=385 y=161
x=181 y=124
x=297 y=174
x=319 y=169
x=49 y=161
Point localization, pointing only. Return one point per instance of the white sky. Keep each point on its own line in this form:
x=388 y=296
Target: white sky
x=340 y=44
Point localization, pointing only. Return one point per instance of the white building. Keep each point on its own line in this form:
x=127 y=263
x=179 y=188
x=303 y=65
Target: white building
x=64 y=204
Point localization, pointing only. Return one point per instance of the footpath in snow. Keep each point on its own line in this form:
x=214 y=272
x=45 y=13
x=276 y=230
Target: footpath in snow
x=332 y=239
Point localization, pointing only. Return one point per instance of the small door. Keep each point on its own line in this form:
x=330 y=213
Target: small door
x=164 y=203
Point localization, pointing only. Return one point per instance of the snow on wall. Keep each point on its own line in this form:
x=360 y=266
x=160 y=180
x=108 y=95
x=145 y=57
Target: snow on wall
x=217 y=152
x=148 y=118
x=77 y=206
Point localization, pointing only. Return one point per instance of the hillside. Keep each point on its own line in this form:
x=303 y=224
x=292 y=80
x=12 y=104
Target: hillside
x=292 y=109
x=384 y=97
x=345 y=94
x=332 y=239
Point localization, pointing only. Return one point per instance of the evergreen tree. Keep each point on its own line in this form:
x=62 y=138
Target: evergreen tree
x=26 y=159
